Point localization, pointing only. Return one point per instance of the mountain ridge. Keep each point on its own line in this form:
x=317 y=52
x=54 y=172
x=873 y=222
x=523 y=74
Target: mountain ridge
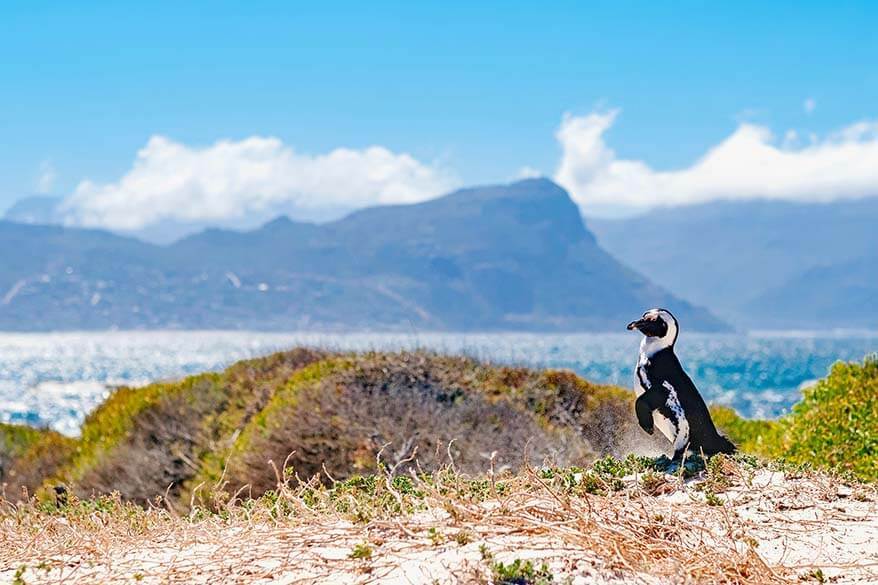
x=509 y=257
x=762 y=264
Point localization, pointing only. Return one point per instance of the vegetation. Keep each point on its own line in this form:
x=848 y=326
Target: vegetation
x=750 y=436
x=341 y=417
x=332 y=415
x=361 y=550
x=363 y=451
x=531 y=527
x=154 y=441
x=28 y=456
x=520 y=572
x=835 y=426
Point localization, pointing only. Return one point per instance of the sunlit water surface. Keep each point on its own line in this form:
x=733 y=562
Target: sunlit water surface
x=56 y=379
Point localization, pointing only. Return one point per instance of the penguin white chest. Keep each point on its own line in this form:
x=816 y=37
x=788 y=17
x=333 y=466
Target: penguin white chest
x=665 y=425
x=674 y=428
x=677 y=430
x=643 y=383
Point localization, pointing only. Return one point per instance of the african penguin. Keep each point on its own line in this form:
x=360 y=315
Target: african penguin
x=666 y=397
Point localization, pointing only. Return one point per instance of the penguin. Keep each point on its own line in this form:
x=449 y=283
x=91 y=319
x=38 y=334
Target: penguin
x=666 y=397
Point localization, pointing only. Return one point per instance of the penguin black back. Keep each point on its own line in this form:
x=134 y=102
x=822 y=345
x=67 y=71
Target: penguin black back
x=665 y=368
x=667 y=397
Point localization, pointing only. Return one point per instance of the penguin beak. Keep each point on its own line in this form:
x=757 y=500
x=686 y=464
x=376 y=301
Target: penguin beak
x=634 y=325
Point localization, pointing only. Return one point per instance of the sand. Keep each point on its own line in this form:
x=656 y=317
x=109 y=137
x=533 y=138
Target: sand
x=794 y=528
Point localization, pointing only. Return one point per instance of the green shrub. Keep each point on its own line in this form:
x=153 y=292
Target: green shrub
x=749 y=435
x=140 y=441
x=835 y=426
x=28 y=455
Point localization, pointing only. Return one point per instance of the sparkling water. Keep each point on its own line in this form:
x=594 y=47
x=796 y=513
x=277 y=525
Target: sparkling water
x=56 y=379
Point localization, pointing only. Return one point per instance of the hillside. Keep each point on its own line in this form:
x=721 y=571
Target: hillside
x=332 y=414
x=307 y=466
x=514 y=257
x=762 y=264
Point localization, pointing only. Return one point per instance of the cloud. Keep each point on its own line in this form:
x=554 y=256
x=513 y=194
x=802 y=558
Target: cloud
x=809 y=105
x=231 y=179
x=528 y=172
x=46 y=178
x=747 y=164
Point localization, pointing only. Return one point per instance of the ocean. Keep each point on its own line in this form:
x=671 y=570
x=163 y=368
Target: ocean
x=55 y=379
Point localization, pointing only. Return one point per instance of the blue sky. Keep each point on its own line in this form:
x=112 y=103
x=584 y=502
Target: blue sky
x=479 y=90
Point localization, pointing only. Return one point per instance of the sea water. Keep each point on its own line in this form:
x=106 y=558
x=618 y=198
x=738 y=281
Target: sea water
x=55 y=379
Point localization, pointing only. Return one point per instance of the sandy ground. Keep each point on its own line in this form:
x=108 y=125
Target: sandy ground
x=802 y=529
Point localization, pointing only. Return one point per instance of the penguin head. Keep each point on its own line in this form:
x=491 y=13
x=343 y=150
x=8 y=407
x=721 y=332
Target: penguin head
x=659 y=327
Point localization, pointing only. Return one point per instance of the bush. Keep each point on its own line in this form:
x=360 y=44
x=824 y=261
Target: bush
x=750 y=436
x=336 y=412
x=333 y=412
x=835 y=426
x=152 y=441
x=337 y=415
x=28 y=455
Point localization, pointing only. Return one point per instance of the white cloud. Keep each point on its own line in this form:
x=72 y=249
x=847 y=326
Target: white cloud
x=528 y=172
x=229 y=179
x=46 y=178
x=747 y=164
x=809 y=105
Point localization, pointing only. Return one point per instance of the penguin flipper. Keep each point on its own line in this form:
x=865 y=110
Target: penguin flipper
x=644 y=414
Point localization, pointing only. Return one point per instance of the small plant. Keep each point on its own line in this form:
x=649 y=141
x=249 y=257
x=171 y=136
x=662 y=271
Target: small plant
x=463 y=537
x=712 y=499
x=652 y=482
x=520 y=572
x=611 y=467
x=18 y=578
x=436 y=537
x=719 y=468
x=590 y=483
x=361 y=551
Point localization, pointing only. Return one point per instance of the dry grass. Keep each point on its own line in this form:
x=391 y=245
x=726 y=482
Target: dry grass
x=604 y=524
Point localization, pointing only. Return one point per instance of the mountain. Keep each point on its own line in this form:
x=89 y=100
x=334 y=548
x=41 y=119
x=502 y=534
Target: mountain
x=761 y=263
x=47 y=210
x=843 y=295
x=514 y=257
x=35 y=209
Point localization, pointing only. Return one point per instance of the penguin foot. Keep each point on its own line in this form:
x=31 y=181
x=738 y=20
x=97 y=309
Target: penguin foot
x=666 y=465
